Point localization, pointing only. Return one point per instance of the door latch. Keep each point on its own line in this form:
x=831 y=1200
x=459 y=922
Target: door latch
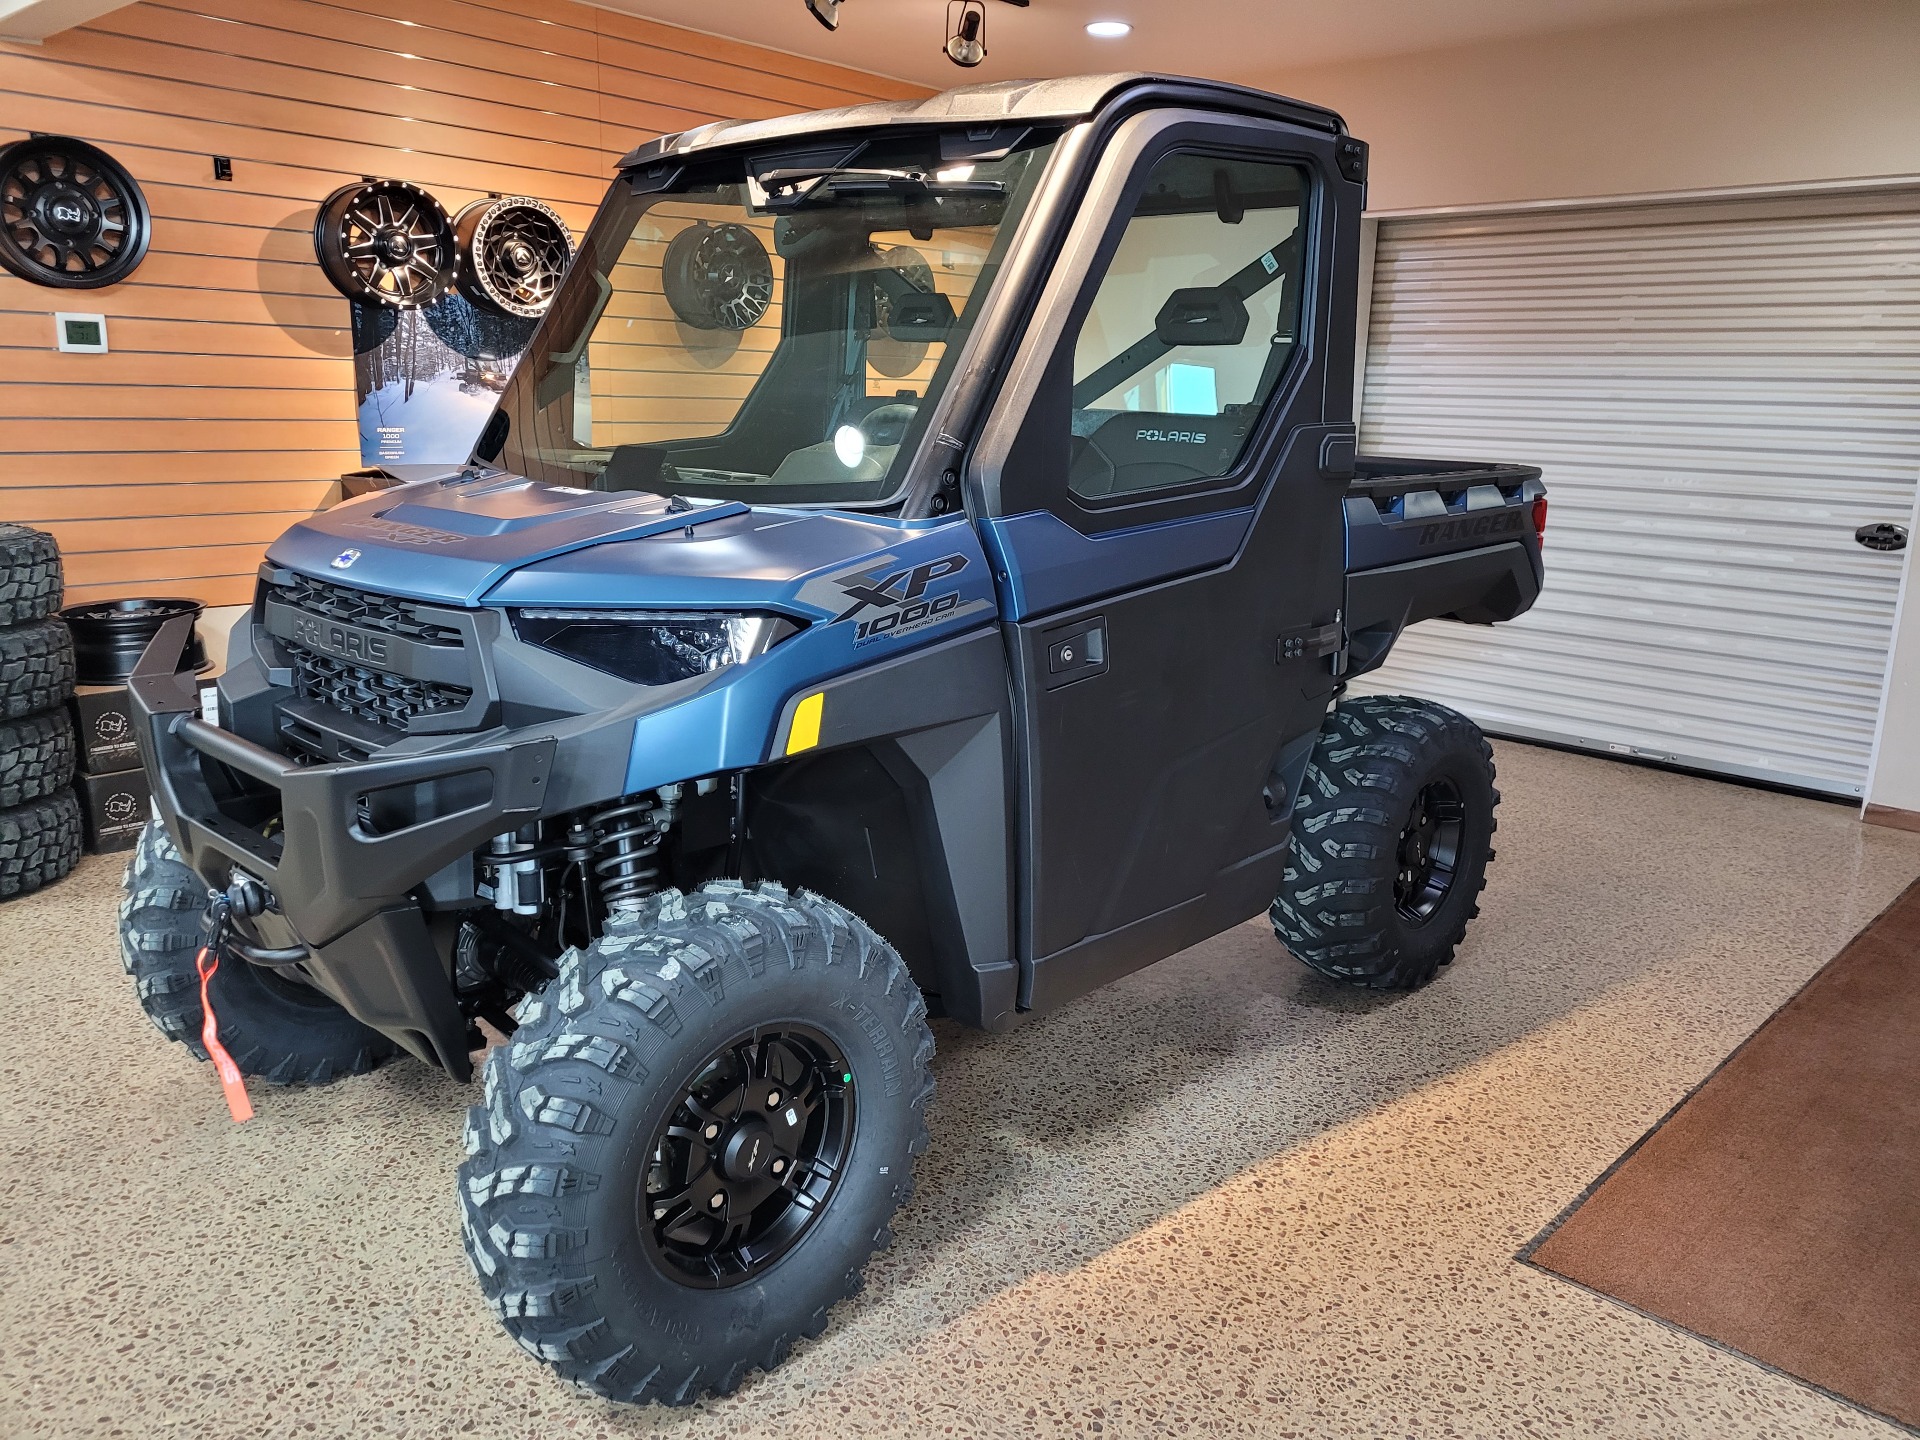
x=1310 y=642
x=1882 y=536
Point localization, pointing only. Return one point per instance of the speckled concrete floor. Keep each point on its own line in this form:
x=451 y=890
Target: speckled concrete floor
x=1218 y=1198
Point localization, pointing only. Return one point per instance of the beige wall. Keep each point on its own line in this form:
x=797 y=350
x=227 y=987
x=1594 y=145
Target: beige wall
x=1758 y=95
x=1807 y=92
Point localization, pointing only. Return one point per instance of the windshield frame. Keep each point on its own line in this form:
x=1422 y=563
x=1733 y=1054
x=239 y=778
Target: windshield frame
x=927 y=453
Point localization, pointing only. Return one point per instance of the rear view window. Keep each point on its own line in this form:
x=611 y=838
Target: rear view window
x=1192 y=327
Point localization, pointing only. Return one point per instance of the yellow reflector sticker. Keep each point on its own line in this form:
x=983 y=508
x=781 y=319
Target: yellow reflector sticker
x=804 y=733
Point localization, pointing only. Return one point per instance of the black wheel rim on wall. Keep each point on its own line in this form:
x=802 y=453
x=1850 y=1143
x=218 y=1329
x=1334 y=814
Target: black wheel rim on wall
x=70 y=215
x=386 y=242
x=717 y=277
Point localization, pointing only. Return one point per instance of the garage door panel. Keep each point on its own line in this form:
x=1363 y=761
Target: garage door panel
x=1719 y=394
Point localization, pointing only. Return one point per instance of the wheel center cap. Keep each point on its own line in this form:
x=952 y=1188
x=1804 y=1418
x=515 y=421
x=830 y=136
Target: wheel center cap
x=395 y=246
x=68 y=210
x=748 y=1152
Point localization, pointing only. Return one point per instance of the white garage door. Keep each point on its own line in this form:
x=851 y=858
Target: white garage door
x=1719 y=395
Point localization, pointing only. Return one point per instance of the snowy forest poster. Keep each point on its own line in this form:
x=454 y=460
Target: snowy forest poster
x=427 y=379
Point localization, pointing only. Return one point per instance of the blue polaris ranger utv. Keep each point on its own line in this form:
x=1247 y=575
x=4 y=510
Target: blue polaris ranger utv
x=915 y=567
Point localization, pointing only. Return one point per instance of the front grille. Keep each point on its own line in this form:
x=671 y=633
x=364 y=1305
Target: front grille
x=364 y=608
x=374 y=695
x=363 y=691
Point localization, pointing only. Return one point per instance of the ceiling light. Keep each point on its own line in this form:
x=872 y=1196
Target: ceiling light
x=966 y=32
x=1109 y=29
x=827 y=12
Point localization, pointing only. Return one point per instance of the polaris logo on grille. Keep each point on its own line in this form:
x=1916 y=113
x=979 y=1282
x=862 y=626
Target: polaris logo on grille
x=341 y=640
x=345 y=559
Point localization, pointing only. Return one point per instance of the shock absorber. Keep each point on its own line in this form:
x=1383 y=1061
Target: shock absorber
x=626 y=845
x=518 y=885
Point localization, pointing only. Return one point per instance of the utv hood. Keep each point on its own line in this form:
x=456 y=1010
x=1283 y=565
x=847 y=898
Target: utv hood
x=506 y=540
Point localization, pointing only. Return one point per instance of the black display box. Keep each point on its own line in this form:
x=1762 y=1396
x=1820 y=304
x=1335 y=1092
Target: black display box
x=104 y=727
x=114 y=809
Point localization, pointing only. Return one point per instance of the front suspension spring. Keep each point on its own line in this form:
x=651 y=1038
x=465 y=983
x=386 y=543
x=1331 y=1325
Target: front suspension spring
x=626 y=850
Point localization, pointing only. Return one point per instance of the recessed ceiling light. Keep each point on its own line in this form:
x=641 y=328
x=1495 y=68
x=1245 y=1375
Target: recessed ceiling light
x=1109 y=29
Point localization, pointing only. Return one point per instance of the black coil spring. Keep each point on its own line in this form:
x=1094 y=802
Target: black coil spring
x=626 y=851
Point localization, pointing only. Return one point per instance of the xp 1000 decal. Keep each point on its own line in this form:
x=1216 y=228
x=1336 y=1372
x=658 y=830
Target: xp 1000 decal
x=889 y=597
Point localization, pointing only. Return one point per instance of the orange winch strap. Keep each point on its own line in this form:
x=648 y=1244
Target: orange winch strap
x=231 y=1082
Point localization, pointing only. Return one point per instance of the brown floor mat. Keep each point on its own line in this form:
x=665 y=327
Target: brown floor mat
x=1776 y=1210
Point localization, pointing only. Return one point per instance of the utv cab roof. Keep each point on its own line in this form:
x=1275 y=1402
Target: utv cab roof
x=1004 y=102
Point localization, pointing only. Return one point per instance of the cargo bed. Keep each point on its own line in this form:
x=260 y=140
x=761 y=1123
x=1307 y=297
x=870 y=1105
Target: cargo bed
x=1437 y=539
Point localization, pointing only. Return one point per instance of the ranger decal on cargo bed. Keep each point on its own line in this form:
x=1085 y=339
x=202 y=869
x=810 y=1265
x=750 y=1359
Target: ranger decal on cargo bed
x=1472 y=527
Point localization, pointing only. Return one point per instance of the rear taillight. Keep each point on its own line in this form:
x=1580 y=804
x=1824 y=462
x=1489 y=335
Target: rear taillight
x=1540 y=517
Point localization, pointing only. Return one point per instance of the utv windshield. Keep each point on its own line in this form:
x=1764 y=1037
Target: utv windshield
x=770 y=329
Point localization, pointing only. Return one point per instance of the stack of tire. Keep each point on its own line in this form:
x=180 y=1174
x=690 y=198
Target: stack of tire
x=39 y=813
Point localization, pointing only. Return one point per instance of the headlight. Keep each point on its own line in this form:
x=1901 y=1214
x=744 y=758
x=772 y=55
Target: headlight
x=651 y=648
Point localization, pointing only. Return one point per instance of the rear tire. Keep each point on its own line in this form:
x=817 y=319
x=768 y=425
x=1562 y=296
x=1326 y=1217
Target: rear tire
x=1392 y=833
x=30 y=581
x=589 y=1198
x=39 y=843
x=278 y=1029
x=36 y=668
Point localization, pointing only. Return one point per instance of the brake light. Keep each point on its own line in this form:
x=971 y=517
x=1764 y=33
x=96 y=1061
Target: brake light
x=1540 y=518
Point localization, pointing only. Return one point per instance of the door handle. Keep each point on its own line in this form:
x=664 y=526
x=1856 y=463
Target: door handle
x=1882 y=535
x=1074 y=651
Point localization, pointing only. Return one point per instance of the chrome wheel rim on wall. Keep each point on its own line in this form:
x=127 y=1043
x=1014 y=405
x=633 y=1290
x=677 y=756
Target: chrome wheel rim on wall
x=513 y=252
x=70 y=215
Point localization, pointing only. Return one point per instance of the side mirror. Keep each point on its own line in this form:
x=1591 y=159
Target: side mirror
x=1204 y=316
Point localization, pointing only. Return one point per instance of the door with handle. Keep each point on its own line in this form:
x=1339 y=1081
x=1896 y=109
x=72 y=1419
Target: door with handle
x=1173 y=550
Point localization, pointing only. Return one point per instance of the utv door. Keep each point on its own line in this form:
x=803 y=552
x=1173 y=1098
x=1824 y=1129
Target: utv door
x=1162 y=480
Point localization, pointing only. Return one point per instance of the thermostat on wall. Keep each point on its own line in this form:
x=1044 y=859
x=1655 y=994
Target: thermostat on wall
x=81 y=334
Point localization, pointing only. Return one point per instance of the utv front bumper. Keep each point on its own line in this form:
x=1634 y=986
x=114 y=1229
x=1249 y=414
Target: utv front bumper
x=341 y=846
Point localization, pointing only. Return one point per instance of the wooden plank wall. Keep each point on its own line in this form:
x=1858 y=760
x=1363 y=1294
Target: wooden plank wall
x=225 y=409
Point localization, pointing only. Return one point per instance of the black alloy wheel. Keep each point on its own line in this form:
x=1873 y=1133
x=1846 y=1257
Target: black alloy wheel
x=718 y=277
x=1429 y=849
x=386 y=242
x=70 y=215
x=749 y=1157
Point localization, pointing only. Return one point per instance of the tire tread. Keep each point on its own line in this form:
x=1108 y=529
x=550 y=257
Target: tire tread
x=1335 y=910
x=160 y=938
x=654 y=962
x=31 y=582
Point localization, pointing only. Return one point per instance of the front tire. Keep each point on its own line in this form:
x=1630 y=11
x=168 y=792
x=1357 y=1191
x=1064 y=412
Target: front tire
x=1392 y=833
x=278 y=1029
x=696 y=1140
